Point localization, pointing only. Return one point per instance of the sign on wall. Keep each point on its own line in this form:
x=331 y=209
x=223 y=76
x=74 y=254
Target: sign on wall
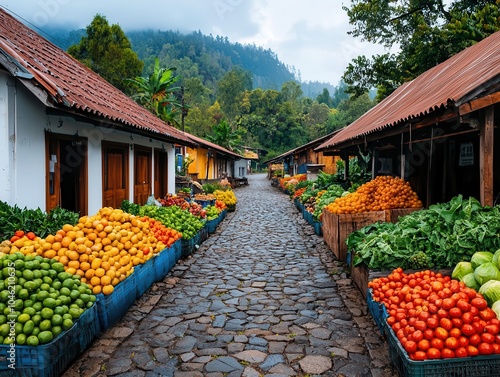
x=466 y=154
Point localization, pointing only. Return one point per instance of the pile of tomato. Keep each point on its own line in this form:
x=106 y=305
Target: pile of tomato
x=436 y=317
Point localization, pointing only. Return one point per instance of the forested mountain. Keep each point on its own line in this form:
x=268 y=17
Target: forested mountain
x=205 y=57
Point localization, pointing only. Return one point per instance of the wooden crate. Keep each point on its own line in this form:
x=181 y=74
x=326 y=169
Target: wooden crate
x=361 y=274
x=393 y=215
x=336 y=228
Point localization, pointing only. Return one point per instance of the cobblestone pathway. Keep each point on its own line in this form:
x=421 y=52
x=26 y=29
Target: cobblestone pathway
x=263 y=296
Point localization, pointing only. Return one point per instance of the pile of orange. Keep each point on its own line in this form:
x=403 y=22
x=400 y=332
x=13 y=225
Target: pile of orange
x=381 y=193
x=103 y=249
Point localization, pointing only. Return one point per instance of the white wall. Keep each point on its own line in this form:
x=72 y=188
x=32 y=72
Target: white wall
x=22 y=149
x=237 y=167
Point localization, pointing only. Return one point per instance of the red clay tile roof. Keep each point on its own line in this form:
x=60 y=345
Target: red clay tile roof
x=72 y=86
x=205 y=143
x=445 y=85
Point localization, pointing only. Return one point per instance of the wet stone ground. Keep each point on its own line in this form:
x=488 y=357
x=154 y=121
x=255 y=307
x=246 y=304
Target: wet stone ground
x=262 y=296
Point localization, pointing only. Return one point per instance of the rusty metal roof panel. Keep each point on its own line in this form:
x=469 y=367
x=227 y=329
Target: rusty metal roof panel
x=442 y=86
x=72 y=85
x=208 y=144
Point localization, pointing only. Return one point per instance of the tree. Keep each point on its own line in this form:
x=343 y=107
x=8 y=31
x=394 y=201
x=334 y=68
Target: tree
x=325 y=98
x=224 y=135
x=107 y=51
x=230 y=89
x=157 y=94
x=348 y=111
x=427 y=32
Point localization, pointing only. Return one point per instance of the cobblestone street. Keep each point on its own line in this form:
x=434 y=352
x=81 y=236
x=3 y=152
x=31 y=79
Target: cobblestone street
x=262 y=296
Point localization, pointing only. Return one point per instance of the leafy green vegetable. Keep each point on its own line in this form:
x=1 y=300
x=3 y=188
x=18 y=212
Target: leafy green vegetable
x=462 y=269
x=447 y=233
x=491 y=291
x=486 y=272
x=480 y=257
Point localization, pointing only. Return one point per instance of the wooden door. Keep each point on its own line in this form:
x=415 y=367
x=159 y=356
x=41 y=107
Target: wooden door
x=66 y=177
x=115 y=176
x=161 y=174
x=142 y=176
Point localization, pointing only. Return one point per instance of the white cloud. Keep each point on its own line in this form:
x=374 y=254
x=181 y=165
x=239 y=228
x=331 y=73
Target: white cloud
x=311 y=36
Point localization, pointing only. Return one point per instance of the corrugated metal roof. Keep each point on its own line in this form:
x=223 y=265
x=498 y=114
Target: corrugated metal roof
x=444 y=85
x=209 y=144
x=72 y=85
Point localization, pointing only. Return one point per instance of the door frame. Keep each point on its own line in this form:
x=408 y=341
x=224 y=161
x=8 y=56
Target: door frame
x=148 y=151
x=105 y=146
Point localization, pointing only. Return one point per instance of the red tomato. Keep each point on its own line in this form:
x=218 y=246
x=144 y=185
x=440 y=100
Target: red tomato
x=479 y=326
x=451 y=343
x=471 y=293
x=437 y=343
x=475 y=339
x=487 y=314
x=455 y=313
x=433 y=353
x=437 y=286
x=455 y=332
x=410 y=346
x=479 y=303
x=457 y=322
x=447 y=353
x=428 y=334
x=468 y=329
x=485 y=348
x=424 y=345
x=31 y=236
x=463 y=341
x=441 y=333
x=467 y=317
x=492 y=329
x=472 y=350
x=442 y=313
x=423 y=315
x=432 y=323
x=496 y=348
x=419 y=356
x=448 y=303
x=417 y=336
x=446 y=324
x=420 y=325
x=487 y=338
x=19 y=233
x=463 y=305
x=461 y=352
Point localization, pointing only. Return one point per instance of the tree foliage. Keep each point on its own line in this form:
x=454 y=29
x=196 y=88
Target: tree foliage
x=427 y=33
x=107 y=51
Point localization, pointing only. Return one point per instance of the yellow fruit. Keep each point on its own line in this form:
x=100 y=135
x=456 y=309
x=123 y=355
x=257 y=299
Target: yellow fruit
x=89 y=274
x=74 y=264
x=50 y=254
x=96 y=290
x=95 y=280
x=73 y=255
x=99 y=272
x=107 y=289
x=105 y=280
x=96 y=263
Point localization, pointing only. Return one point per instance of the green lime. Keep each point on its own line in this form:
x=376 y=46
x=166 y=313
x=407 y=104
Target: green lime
x=60 y=310
x=21 y=281
x=45 y=337
x=45 y=266
x=37 y=319
x=4 y=296
x=30 y=311
x=58 y=267
x=30 y=286
x=28 y=327
x=47 y=313
x=32 y=341
x=38 y=306
x=57 y=285
x=65 y=300
x=74 y=294
x=52 y=274
x=45 y=325
x=89 y=304
x=75 y=313
x=36 y=331
x=68 y=283
x=4 y=329
x=45 y=287
x=3 y=319
x=65 y=291
x=67 y=324
x=42 y=295
x=47 y=280
x=18 y=328
x=21 y=339
x=56 y=330
x=67 y=316
x=9 y=340
x=24 y=293
x=28 y=303
x=28 y=264
x=18 y=304
x=80 y=303
x=49 y=303
x=23 y=318
x=57 y=320
x=63 y=276
x=19 y=265
x=28 y=274
x=85 y=297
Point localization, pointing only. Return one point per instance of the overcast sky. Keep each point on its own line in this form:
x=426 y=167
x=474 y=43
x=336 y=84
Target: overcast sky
x=311 y=36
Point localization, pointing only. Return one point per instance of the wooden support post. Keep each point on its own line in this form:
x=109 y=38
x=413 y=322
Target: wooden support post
x=486 y=157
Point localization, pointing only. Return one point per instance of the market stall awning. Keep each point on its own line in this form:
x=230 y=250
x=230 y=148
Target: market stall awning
x=452 y=83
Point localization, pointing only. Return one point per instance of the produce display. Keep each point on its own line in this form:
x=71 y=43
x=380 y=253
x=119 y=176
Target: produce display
x=173 y=217
x=204 y=197
x=226 y=196
x=171 y=200
x=40 y=297
x=212 y=212
x=436 y=317
x=437 y=237
x=329 y=196
x=381 y=193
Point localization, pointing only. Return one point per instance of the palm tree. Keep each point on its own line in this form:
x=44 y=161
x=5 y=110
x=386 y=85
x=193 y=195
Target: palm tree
x=225 y=136
x=157 y=94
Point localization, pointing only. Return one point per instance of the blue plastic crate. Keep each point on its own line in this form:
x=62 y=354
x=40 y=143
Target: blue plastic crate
x=52 y=359
x=144 y=276
x=377 y=310
x=477 y=366
x=318 y=228
x=111 y=308
x=165 y=260
x=202 y=234
x=188 y=246
x=88 y=327
x=177 y=246
x=212 y=225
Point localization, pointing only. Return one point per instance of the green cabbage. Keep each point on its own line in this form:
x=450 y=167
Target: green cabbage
x=461 y=269
x=495 y=258
x=470 y=281
x=486 y=272
x=491 y=291
x=496 y=308
x=480 y=257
